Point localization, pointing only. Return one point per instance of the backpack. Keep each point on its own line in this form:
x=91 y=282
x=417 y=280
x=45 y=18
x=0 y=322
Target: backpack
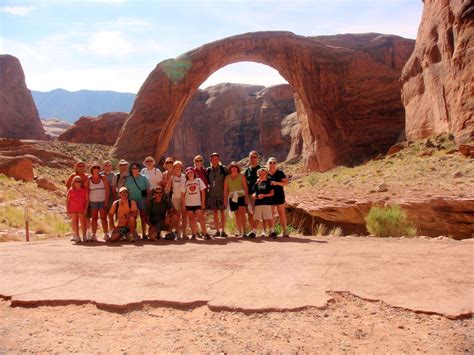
x=117 y=208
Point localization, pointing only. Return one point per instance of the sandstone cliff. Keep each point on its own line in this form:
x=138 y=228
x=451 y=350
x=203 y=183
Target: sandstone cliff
x=18 y=115
x=103 y=129
x=233 y=119
x=438 y=78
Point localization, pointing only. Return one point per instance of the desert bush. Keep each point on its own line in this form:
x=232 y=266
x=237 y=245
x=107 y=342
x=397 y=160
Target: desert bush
x=336 y=231
x=320 y=230
x=389 y=221
x=12 y=216
x=312 y=179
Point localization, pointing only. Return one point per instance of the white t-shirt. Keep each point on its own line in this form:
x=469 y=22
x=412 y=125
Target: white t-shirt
x=178 y=185
x=155 y=176
x=192 y=195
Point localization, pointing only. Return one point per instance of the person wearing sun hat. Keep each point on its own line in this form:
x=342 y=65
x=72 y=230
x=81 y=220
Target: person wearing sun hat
x=236 y=195
x=119 y=179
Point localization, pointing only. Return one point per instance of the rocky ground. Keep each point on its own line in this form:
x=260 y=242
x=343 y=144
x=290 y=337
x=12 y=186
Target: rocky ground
x=348 y=324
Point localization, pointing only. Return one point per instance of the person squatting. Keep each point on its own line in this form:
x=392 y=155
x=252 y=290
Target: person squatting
x=167 y=202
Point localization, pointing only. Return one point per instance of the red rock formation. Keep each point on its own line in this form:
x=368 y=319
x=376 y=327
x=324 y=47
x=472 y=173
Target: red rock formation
x=438 y=78
x=53 y=127
x=236 y=118
x=103 y=129
x=18 y=114
x=352 y=100
x=18 y=167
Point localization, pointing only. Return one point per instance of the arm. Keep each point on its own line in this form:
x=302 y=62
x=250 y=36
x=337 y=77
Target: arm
x=203 y=199
x=111 y=214
x=87 y=200
x=69 y=181
x=226 y=191
x=246 y=188
x=107 y=191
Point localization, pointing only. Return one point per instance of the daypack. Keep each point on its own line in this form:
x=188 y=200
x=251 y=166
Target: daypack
x=209 y=169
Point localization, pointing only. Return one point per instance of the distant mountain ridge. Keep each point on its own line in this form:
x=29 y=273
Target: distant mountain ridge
x=69 y=106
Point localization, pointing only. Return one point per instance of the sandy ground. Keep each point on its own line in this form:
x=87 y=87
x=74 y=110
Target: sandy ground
x=348 y=324
x=59 y=297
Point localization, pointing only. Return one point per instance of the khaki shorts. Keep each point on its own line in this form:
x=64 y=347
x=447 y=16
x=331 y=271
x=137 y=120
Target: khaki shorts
x=176 y=203
x=263 y=213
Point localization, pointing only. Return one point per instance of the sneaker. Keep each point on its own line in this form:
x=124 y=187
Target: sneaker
x=273 y=235
x=252 y=235
x=73 y=238
x=263 y=235
x=193 y=237
x=207 y=236
x=94 y=238
x=217 y=234
x=106 y=237
x=77 y=239
x=223 y=234
x=144 y=237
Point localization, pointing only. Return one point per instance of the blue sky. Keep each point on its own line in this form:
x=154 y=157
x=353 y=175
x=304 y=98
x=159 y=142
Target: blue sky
x=114 y=44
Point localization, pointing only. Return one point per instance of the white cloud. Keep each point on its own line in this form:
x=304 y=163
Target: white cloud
x=109 y=43
x=17 y=10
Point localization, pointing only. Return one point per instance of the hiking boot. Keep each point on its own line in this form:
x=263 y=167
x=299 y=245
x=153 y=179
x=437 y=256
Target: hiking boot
x=217 y=234
x=223 y=234
x=207 y=236
x=252 y=235
x=273 y=235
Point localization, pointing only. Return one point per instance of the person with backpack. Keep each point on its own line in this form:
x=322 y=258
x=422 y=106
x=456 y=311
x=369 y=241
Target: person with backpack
x=124 y=217
x=138 y=188
x=119 y=179
x=216 y=174
x=252 y=177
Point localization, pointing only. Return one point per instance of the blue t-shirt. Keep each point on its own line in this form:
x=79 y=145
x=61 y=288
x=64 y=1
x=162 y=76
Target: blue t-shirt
x=134 y=187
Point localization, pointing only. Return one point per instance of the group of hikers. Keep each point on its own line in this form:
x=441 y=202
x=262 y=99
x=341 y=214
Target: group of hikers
x=166 y=201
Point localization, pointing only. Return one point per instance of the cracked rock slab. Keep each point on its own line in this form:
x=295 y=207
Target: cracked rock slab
x=430 y=276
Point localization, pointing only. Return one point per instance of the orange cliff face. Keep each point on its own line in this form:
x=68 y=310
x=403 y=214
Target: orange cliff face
x=350 y=94
x=438 y=86
x=18 y=114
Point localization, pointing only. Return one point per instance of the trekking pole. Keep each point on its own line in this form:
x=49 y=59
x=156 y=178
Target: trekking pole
x=27 y=224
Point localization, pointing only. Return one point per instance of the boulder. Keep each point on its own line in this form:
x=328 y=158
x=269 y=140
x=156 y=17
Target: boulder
x=44 y=183
x=103 y=129
x=18 y=167
x=437 y=79
x=351 y=97
x=235 y=118
x=53 y=127
x=467 y=150
x=18 y=114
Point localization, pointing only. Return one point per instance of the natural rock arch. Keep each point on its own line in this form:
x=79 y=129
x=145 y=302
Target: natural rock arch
x=349 y=102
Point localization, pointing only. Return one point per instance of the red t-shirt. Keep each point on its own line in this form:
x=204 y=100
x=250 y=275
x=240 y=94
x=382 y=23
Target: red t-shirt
x=202 y=174
x=77 y=200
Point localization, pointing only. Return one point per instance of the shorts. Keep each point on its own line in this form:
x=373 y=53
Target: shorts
x=215 y=203
x=235 y=206
x=141 y=204
x=176 y=203
x=263 y=213
x=278 y=199
x=193 y=208
x=158 y=225
x=96 y=205
x=124 y=231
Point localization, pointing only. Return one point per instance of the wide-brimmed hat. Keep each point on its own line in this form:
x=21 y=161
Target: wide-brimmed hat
x=232 y=164
x=122 y=162
x=122 y=189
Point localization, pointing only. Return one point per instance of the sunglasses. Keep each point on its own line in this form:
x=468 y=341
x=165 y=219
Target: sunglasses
x=135 y=168
x=198 y=161
x=272 y=163
x=169 y=162
x=148 y=161
x=254 y=157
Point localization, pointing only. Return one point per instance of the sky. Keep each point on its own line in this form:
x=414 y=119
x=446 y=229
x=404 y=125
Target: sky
x=115 y=44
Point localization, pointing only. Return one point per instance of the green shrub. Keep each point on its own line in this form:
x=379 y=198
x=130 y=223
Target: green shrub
x=389 y=221
x=289 y=228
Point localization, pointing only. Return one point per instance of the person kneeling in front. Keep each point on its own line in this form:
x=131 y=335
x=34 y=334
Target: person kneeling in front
x=156 y=211
x=124 y=216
